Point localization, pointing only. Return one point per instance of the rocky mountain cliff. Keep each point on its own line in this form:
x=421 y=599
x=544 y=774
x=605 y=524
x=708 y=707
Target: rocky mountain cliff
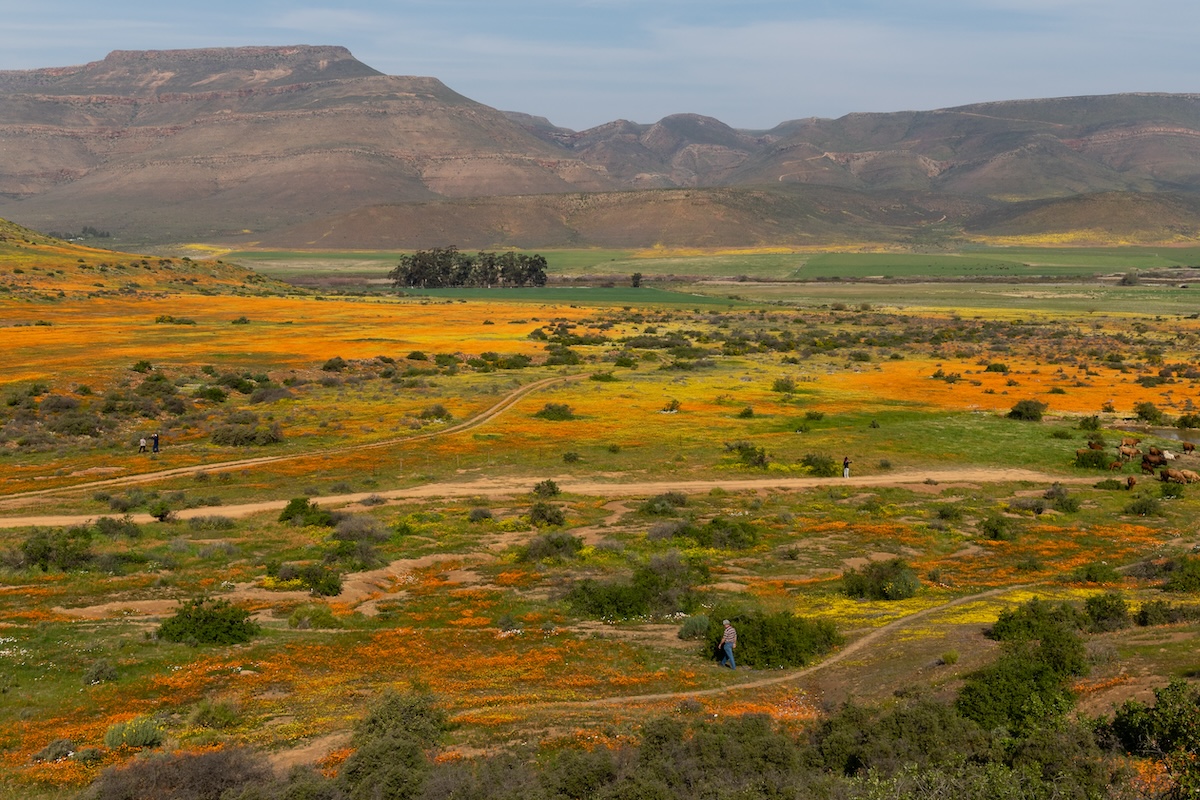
x=161 y=146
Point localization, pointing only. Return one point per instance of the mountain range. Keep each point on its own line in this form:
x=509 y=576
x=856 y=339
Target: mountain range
x=306 y=146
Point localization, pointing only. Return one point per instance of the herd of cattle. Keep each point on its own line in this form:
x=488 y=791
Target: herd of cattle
x=1153 y=459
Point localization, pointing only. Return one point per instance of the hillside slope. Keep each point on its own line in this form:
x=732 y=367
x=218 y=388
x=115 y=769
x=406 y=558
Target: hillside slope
x=286 y=144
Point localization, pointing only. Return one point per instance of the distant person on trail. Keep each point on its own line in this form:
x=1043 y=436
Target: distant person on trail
x=727 y=643
x=154 y=439
x=846 y=467
x=142 y=445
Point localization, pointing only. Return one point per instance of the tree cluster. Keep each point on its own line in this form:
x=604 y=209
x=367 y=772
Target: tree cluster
x=445 y=267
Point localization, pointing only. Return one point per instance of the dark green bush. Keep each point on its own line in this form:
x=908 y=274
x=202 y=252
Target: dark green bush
x=1183 y=575
x=1092 y=459
x=389 y=744
x=61 y=549
x=208 y=621
x=773 y=641
x=749 y=455
x=665 y=585
x=821 y=465
x=321 y=580
x=1144 y=506
x=1096 y=572
x=1028 y=410
x=547 y=488
x=302 y=511
x=556 y=412
x=998 y=528
x=543 y=514
x=553 y=545
x=1107 y=612
x=1171 y=725
x=663 y=504
x=882 y=580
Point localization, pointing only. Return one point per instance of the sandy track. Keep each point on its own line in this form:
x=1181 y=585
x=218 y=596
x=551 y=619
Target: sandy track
x=503 y=487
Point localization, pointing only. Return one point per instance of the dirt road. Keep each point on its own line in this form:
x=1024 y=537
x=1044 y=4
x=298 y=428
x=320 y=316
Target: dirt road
x=504 y=487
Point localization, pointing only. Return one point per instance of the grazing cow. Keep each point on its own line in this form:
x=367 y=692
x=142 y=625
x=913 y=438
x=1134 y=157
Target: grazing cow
x=1190 y=475
x=1147 y=466
x=1189 y=448
x=1172 y=476
x=1094 y=445
x=1154 y=451
x=1154 y=459
x=1130 y=482
x=1130 y=441
x=1128 y=451
x=1116 y=466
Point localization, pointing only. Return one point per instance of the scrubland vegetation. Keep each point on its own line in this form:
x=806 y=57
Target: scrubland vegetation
x=418 y=547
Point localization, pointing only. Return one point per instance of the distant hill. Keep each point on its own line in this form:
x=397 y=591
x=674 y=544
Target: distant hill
x=34 y=266
x=307 y=146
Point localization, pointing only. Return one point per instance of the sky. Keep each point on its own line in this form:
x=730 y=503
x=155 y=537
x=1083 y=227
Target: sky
x=751 y=64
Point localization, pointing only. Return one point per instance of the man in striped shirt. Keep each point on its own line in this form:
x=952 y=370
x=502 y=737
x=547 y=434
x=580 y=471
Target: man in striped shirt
x=727 y=643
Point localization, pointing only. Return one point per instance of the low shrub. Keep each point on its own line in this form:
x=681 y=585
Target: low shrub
x=1183 y=575
x=821 y=465
x=479 y=514
x=547 y=488
x=183 y=775
x=557 y=545
x=313 y=615
x=555 y=412
x=773 y=641
x=663 y=504
x=1144 y=506
x=101 y=671
x=694 y=627
x=1107 y=612
x=211 y=522
x=882 y=580
x=542 y=514
x=1028 y=410
x=665 y=585
x=62 y=549
x=216 y=714
x=1096 y=572
x=208 y=621
x=144 y=731
x=302 y=511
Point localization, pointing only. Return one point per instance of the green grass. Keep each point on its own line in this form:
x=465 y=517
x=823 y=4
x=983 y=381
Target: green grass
x=623 y=295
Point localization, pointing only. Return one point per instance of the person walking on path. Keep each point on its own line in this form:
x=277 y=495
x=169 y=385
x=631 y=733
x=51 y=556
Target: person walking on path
x=846 y=467
x=142 y=445
x=727 y=643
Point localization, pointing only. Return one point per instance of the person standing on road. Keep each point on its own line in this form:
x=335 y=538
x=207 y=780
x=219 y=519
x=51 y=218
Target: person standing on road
x=727 y=643
x=846 y=467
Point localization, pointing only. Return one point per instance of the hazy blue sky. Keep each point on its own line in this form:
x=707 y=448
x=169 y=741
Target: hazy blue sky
x=751 y=64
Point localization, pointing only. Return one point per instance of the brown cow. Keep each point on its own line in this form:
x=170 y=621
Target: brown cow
x=1189 y=448
x=1116 y=466
x=1130 y=482
x=1130 y=441
x=1190 y=475
x=1154 y=451
x=1147 y=466
x=1154 y=459
x=1128 y=451
x=1094 y=445
x=1172 y=476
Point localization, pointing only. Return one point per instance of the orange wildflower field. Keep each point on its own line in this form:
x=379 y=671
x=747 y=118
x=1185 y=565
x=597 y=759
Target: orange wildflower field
x=537 y=514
